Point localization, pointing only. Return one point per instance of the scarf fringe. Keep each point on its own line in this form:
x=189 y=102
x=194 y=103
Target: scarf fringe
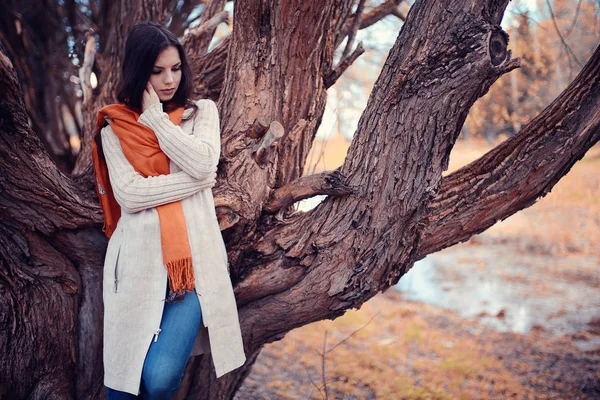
x=181 y=275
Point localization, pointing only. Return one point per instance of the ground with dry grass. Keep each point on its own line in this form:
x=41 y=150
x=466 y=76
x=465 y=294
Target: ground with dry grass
x=415 y=351
x=513 y=313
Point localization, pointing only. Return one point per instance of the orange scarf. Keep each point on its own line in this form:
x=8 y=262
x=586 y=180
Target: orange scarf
x=141 y=148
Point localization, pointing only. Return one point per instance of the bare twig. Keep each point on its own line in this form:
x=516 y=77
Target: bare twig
x=311 y=380
x=323 y=366
x=320 y=156
x=562 y=39
x=211 y=8
x=353 y=333
x=180 y=17
x=324 y=353
x=197 y=41
x=526 y=15
x=323 y=146
x=389 y=7
x=342 y=66
x=570 y=29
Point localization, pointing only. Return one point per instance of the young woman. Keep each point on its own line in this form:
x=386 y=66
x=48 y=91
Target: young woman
x=167 y=293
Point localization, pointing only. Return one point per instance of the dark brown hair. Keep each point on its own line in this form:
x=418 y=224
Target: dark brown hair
x=144 y=43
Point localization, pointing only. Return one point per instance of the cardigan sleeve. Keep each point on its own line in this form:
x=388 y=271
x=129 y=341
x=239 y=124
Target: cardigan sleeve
x=196 y=154
x=135 y=192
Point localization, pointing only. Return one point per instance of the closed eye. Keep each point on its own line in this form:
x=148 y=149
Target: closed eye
x=158 y=72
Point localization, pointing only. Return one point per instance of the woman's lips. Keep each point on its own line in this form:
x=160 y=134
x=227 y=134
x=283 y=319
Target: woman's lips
x=168 y=91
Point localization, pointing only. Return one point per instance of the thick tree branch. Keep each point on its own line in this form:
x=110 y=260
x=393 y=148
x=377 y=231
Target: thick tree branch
x=41 y=280
x=514 y=175
x=327 y=182
x=26 y=158
x=181 y=17
x=198 y=39
x=398 y=14
x=209 y=72
x=277 y=57
x=351 y=247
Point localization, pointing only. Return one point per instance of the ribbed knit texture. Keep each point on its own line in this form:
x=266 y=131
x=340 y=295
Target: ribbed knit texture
x=134 y=192
x=193 y=156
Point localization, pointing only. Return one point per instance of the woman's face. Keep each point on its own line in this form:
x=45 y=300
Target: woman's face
x=166 y=73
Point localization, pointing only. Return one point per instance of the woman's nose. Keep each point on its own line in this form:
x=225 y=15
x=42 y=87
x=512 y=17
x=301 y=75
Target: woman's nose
x=168 y=78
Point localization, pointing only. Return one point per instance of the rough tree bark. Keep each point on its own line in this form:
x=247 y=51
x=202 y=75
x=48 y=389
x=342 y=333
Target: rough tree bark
x=387 y=206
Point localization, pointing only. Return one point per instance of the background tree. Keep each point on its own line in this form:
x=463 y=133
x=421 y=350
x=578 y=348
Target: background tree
x=551 y=40
x=387 y=205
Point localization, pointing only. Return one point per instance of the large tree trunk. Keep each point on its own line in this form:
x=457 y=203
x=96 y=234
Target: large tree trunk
x=388 y=204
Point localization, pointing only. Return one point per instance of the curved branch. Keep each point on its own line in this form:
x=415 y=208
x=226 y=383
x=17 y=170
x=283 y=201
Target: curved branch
x=198 y=39
x=271 y=78
x=209 y=72
x=390 y=7
x=514 y=175
x=354 y=28
x=342 y=66
x=349 y=248
x=26 y=167
x=568 y=49
x=180 y=20
x=326 y=182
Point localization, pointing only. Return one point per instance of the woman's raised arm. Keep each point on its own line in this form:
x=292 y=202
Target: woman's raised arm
x=198 y=155
x=134 y=192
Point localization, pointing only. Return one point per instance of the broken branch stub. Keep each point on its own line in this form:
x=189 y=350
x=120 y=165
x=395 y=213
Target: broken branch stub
x=262 y=154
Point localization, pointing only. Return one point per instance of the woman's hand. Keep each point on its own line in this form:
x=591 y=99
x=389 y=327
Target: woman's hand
x=149 y=97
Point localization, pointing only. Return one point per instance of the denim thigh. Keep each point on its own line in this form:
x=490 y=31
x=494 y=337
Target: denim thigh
x=169 y=351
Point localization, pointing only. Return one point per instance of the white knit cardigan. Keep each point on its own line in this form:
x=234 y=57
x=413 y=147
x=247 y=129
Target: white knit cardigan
x=135 y=278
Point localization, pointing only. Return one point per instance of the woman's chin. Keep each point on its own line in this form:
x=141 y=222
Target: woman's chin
x=164 y=99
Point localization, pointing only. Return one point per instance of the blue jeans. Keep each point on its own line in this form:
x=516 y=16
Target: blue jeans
x=167 y=357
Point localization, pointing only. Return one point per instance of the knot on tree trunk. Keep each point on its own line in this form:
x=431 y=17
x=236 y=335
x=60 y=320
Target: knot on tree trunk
x=226 y=216
x=498 y=46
